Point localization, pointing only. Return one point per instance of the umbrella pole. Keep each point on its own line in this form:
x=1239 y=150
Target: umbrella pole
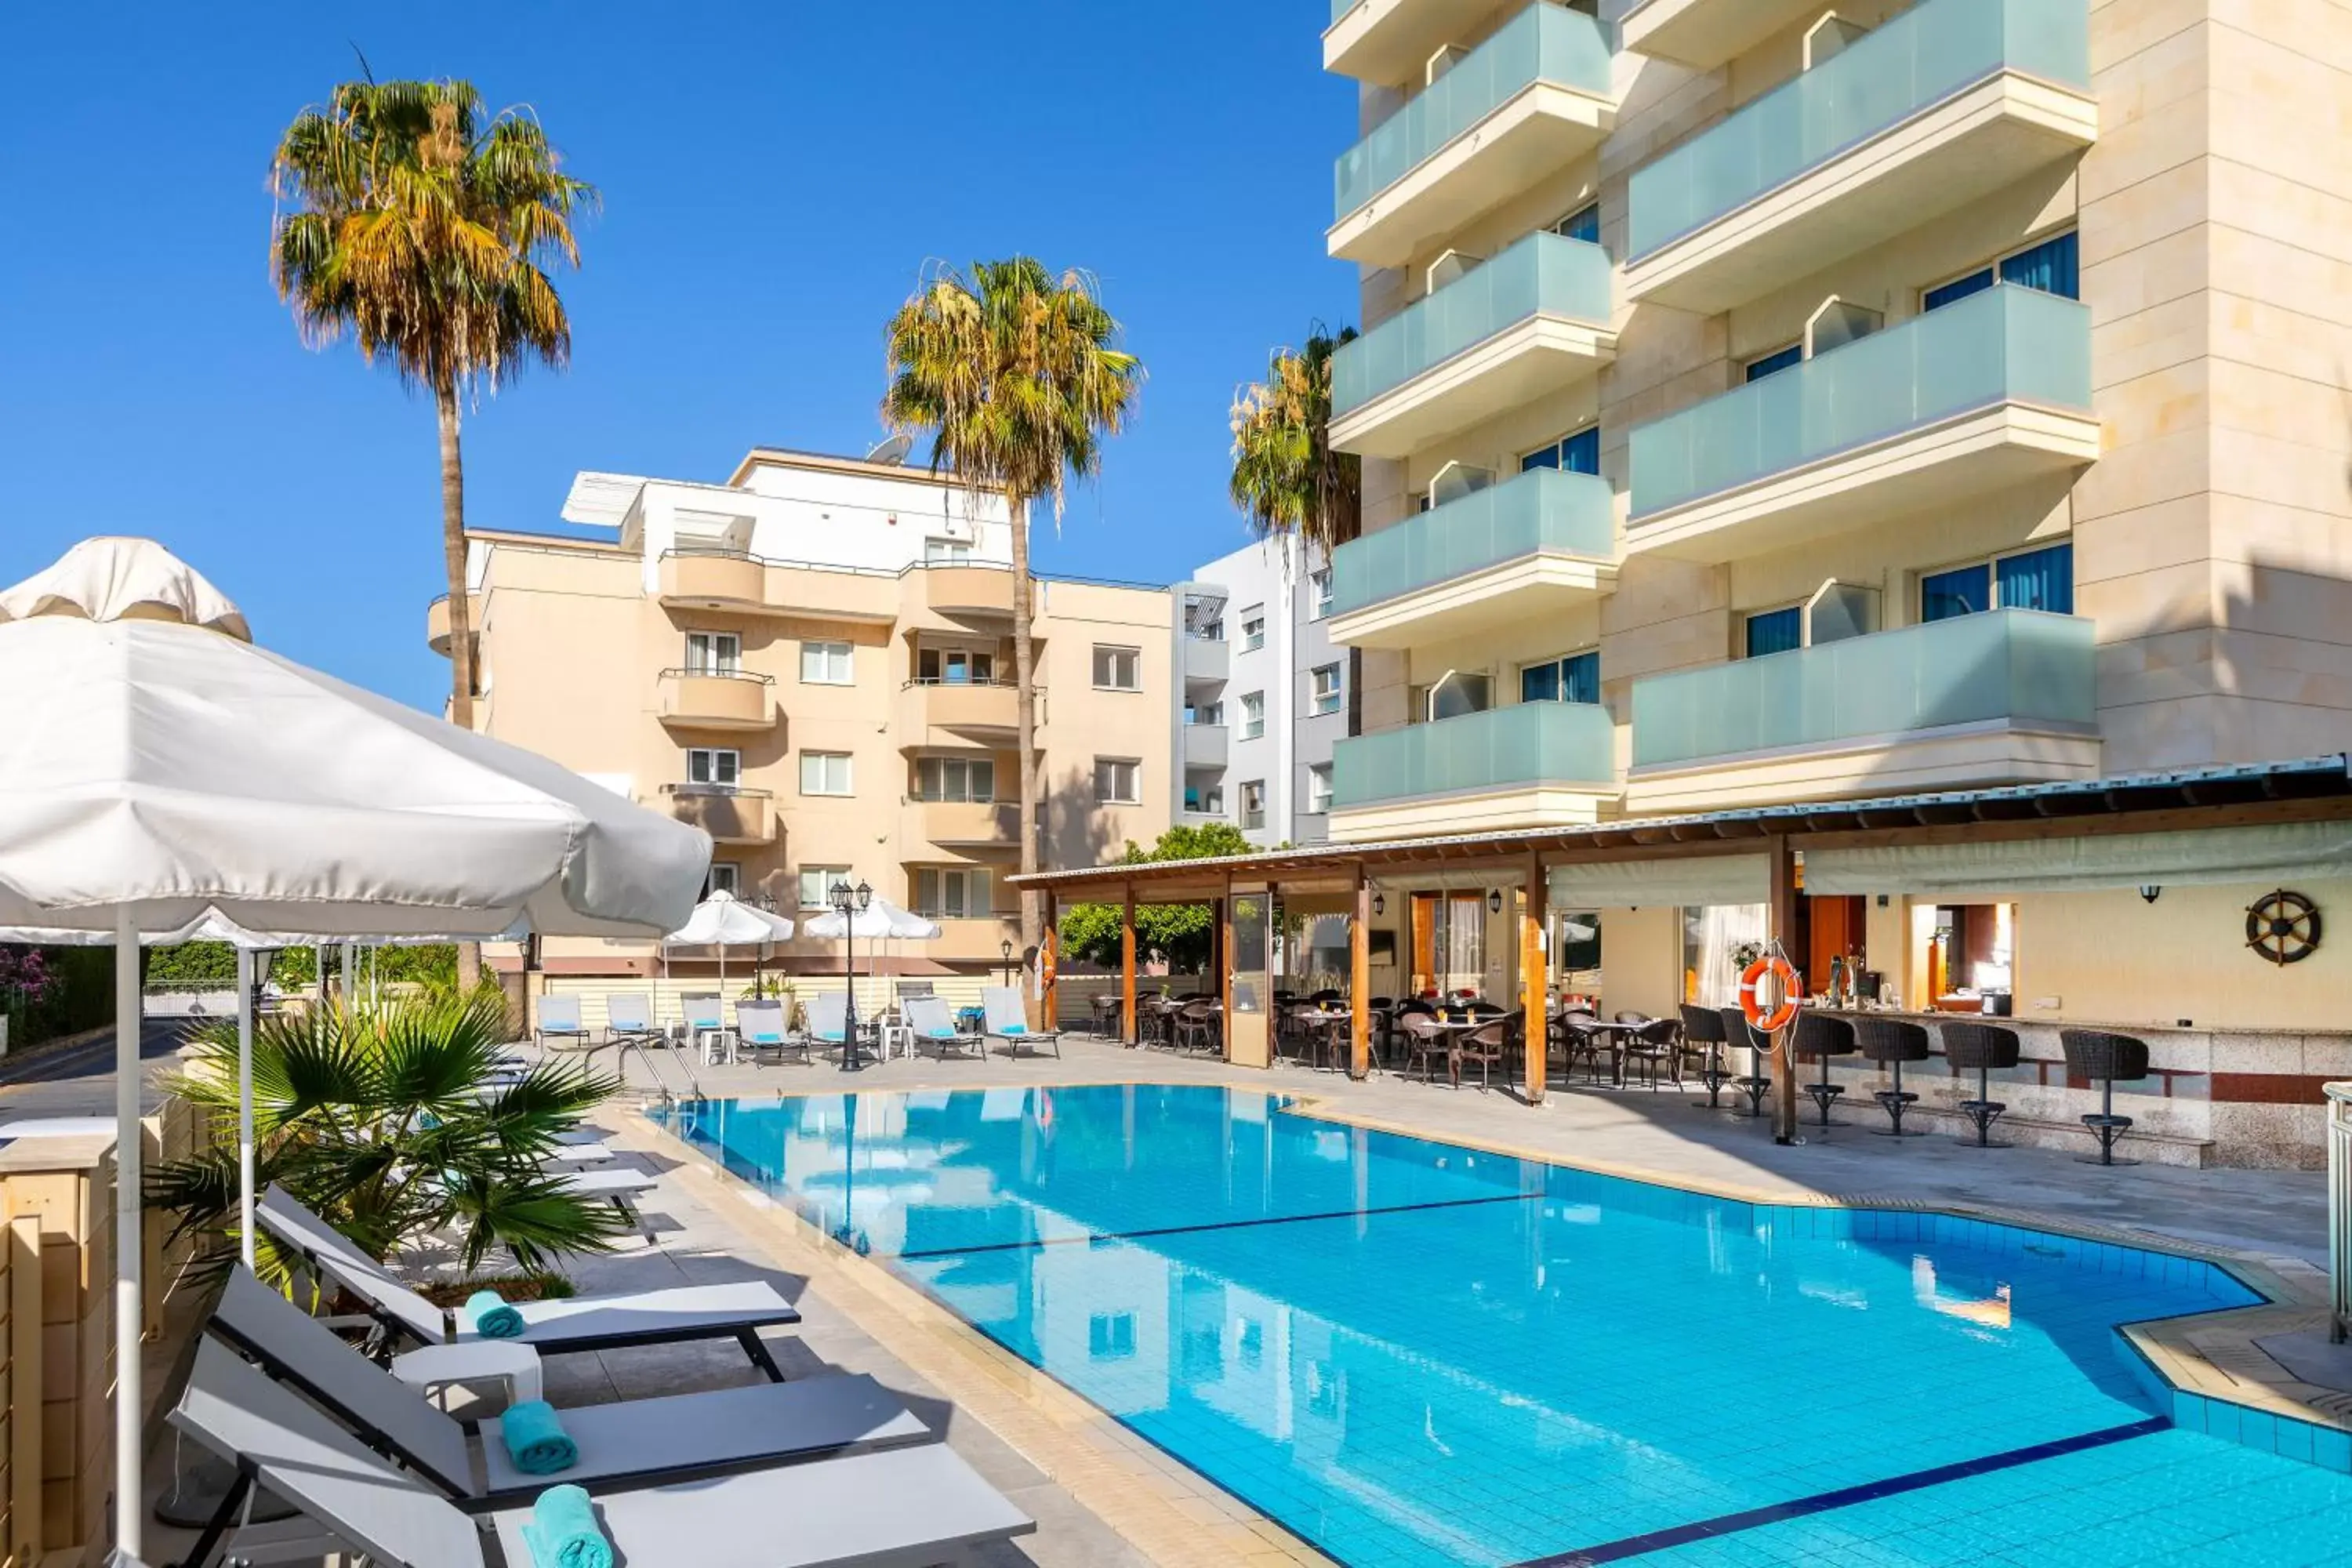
x=129 y=1242
x=245 y=1103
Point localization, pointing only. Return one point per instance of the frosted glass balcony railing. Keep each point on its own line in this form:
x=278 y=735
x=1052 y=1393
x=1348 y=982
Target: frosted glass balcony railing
x=1543 y=43
x=1543 y=511
x=1534 y=743
x=1542 y=274
x=1970 y=669
x=1913 y=63
x=2006 y=344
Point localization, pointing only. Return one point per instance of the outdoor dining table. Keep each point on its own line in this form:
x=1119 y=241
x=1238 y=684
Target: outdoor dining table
x=1323 y=1025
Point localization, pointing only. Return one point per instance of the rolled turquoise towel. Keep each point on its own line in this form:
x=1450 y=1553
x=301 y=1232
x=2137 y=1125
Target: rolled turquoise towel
x=536 y=1441
x=563 y=1531
x=487 y=1314
x=1011 y=1029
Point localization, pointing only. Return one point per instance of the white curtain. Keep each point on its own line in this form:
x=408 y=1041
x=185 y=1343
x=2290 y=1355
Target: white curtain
x=1712 y=936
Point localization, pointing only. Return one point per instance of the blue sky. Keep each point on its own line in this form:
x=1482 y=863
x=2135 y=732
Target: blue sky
x=774 y=176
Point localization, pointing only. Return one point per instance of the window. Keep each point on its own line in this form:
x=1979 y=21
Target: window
x=825 y=772
x=1583 y=224
x=827 y=664
x=1773 y=364
x=1253 y=629
x=726 y=876
x=2053 y=266
x=817 y=882
x=948 y=893
x=1253 y=804
x=971 y=778
x=1325 y=680
x=1204 y=800
x=1119 y=781
x=1576 y=679
x=1320 y=583
x=1118 y=668
x=1110 y=1336
x=713 y=653
x=1318 y=787
x=945 y=553
x=1774 y=631
x=954 y=667
x=1578 y=454
x=1204 y=713
x=718 y=767
x=2033 y=580
x=1253 y=715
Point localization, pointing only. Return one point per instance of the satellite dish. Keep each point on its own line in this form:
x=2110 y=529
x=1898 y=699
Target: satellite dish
x=892 y=451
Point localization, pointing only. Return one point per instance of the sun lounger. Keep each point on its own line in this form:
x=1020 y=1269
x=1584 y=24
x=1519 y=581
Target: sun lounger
x=737 y=1312
x=934 y=1025
x=636 y=1442
x=759 y=1026
x=1008 y=1020
x=901 y=1507
x=560 y=1027
x=828 y=1019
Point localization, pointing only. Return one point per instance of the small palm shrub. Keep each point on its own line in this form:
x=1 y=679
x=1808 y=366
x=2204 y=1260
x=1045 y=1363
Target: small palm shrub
x=381 y=1122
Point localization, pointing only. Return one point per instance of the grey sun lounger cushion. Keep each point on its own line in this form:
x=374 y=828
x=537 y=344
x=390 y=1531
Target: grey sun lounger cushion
x=900 y=1509
x=578 y=1323
x=607 y=1183
x=634 y=1442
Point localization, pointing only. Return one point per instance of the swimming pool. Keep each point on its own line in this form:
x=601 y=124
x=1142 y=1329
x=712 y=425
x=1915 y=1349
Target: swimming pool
x=1412 y=1353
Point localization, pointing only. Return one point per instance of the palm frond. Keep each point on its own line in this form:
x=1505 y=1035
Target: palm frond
x=1286 y=478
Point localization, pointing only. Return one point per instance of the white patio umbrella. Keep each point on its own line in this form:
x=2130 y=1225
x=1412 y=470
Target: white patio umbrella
x=161 y=772
x=878 y=922
x=723 y=921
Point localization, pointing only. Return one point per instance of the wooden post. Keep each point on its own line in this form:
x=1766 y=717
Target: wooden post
x=1360 y=981
x=1535 y=978
x=1127 y=964
x=1049 y=966
x=1782 y=915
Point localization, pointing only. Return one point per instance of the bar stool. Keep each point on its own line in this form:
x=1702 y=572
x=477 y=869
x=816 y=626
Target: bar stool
x=2107 y=1059
x=1820 y=1036
x=1703 y=1032
x=1737 y=1031
x=1983 y=1049
x=1890 y=1042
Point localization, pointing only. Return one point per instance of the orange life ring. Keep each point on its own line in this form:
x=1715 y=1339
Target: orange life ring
x=1751 y=994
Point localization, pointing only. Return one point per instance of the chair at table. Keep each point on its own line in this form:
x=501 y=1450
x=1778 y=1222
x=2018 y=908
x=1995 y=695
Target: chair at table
x=1891 y=1042
x=1738 y=1032
x=1655 y=1044
x=2106 y=1060
x=1703 y=1037
x=1820 y=1037
x=1196 y=1026
x=1383 y=1028
x=1488 y=1047
x=1982 y=1049
x=1426 y=1042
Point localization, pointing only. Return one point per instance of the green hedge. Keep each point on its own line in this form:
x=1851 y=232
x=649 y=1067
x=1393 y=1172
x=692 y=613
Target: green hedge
x=81 y=999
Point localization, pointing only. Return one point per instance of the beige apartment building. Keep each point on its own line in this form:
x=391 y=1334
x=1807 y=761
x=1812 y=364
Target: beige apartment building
x=812 y=661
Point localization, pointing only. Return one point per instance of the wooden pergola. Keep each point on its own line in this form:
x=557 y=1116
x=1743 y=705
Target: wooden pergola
x=2313 y=790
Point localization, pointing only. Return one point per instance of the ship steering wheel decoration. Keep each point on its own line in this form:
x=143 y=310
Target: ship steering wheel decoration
x=2282 y=927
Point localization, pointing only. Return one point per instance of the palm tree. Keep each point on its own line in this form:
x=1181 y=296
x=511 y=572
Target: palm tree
x=1286 y=479
x=1016 y=376
x=426 y=233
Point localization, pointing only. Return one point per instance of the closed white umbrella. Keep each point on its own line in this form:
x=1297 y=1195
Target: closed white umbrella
x=161 y=771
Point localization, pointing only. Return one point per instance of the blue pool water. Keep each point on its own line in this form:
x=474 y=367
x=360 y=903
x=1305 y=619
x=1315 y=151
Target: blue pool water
x=1411 y=1354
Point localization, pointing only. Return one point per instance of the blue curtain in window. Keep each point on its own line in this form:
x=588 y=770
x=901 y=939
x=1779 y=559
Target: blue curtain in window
x=1539 y=683
x=1965 y=591
x=1774 y=631
x=1543 y=457
x=2053 y=266
x=1952 y=293
x=1772 y=364
x=1581 y=453
x=1580 y=680
x=2041 y=581
x=1584 y=226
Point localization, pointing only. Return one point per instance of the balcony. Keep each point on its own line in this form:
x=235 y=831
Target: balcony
x=951 y=713
x=1515 y=110
x=437 y=622
x=2007 y=696
x=1706 y=34
x=1534 y=319
x=705 y=700
x=713 y=580
x=966 y=825
x=1947 y=104
x=1205 y=746
x=963 y=592
x=730 y=816
x=1959 y=403
x=1208 y=659
x=1529 y=547
x=1536 y=764
x=1385 y=42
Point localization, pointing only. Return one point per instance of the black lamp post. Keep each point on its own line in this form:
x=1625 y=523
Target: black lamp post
x=848 y=903
x=1005 y=947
